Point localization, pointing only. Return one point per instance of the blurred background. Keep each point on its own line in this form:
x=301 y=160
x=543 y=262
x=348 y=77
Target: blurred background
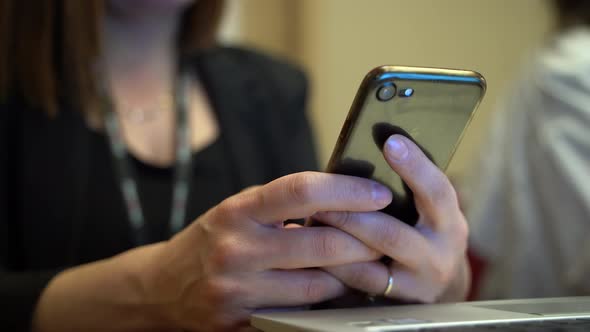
x=338 y=41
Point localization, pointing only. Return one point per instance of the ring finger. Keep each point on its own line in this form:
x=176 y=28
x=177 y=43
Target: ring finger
x=394 y=282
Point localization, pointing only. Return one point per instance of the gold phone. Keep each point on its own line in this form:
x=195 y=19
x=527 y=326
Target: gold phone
x=430 y=106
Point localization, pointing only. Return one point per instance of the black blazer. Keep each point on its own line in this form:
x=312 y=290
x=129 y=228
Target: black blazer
x=44 y=165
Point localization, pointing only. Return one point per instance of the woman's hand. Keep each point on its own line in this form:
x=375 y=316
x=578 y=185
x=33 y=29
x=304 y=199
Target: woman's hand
x=429 y=261
x=238 y=256
x=235 y=258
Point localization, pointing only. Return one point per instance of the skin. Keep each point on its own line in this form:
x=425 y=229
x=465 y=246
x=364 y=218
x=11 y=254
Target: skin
x=139 y=61
x=238 y=257
x=427 y=258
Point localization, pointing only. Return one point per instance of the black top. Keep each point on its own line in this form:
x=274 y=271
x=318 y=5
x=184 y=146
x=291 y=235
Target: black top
x=60 y=203
x=212 y=181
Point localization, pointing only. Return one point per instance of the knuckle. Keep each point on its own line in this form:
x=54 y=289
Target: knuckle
x=443 y=271
x=258 y=198
x=461 y=232
x=222 y=291
x=314 y=290
x=326 y=243
x=228 y=209
x=216 y=292
x=360 y=278
x=456 y=234
x=391 y=238
x=225 y=254
x=250 y=189
x=342 y=219
x=299 y=187
x=442 y=193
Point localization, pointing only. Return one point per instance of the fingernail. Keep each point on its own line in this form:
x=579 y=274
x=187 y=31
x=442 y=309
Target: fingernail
x=381 y=194
x=396 y=148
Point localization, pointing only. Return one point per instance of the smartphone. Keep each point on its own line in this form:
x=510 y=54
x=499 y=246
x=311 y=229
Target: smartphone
x=430 y=106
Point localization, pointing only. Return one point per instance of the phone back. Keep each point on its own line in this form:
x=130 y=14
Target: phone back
x=431 y=106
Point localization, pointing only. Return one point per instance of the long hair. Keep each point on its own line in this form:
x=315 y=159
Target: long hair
x=48 y=47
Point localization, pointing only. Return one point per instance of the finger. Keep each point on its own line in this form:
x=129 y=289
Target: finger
x=373 y=278
x=300 y=195
x=304 y=247
x=291 y=288
x=368 y=277
x=383 y=233
x=250 y=188
x=409 y=286
x=433 y=192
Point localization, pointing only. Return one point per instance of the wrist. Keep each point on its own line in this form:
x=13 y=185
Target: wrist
x=106 y=295
x=140 y=271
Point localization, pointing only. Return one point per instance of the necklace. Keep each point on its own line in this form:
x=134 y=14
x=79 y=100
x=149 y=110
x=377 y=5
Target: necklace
x=125 y=172
x=141 y=115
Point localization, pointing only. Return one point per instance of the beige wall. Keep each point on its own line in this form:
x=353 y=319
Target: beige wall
x=338 y=41
x=269 y=25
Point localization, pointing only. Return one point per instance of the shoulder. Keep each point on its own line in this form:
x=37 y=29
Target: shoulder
x=561 y=74
x=552 y=92
x=249 y=59
x=277 y=76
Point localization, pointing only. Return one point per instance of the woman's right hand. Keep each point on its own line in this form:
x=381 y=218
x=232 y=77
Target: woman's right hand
x=238 y=257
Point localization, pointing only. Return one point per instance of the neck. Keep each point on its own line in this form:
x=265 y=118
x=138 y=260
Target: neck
x=140 y=50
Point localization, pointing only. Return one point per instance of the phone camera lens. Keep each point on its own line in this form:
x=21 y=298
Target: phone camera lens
x=386 y=92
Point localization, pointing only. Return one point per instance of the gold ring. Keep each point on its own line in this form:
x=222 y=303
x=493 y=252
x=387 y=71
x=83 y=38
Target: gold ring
x=389 y=287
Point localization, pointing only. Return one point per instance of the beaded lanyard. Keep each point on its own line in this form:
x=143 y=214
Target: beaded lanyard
x=125 y=172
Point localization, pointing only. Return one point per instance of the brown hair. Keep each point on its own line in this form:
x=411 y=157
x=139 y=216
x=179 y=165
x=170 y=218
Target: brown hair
x=48 y=47
x=572 y=12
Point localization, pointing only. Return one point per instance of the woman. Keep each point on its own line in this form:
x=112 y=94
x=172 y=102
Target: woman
x=124 y=125
x=530 y=196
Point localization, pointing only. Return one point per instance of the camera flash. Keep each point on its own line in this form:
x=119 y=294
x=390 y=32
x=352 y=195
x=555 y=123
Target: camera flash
x=407 y=92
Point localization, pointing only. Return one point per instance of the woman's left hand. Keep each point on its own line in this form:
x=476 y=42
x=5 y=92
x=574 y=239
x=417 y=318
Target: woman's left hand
x=429 y=260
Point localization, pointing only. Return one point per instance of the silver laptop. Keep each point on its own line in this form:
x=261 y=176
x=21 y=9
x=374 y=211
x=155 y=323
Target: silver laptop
x=566 y=314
